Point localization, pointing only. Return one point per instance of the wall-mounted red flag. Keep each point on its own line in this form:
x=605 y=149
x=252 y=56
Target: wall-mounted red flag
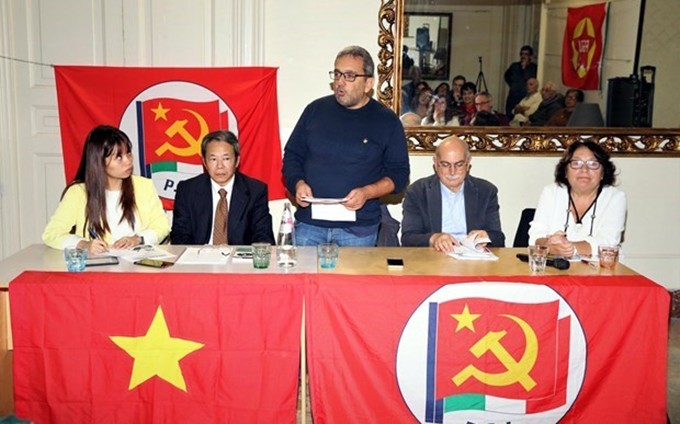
x=167 y=111
x=583 y=46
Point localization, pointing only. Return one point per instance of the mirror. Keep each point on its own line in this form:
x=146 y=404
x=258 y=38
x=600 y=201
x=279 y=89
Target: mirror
x=391 y=22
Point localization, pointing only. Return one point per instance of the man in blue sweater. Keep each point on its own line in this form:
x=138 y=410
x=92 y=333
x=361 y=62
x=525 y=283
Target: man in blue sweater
x=345 y=146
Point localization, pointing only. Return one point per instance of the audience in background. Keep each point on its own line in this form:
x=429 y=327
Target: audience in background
x=527 y=105
x=467 y=108
x=571 y=100
x=517 y=75
x=421 y=102
x=455 y=96
x=439 y=113
x=442 y=90
x=551 y=103
x=484 y=103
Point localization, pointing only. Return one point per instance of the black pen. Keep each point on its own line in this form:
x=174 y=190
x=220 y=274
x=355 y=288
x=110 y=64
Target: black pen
x=93 y=235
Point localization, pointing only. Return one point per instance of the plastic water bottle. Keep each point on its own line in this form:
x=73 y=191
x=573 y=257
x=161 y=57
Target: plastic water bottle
x=286 y=252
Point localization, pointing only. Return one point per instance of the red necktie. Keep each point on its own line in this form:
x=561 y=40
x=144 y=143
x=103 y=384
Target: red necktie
x=221 y=218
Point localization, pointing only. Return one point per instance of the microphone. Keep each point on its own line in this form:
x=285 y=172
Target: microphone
x=559 y=263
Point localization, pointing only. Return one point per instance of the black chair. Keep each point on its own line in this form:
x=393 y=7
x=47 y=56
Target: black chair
x=522 y=234
x=388 y=230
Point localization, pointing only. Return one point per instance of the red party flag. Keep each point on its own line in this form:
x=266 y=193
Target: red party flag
x=583 y=46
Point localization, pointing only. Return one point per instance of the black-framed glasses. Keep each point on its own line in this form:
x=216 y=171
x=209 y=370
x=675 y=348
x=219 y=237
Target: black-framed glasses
x=456 y=165
x=348 y=76
x=590 y=164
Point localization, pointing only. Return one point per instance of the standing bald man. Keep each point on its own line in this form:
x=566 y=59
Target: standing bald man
x=446 y=207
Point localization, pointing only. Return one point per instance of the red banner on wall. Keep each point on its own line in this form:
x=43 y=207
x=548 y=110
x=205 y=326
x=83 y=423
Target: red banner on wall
x=166 y=112
x=487 y=349
x=583 y=46
x=149 y=347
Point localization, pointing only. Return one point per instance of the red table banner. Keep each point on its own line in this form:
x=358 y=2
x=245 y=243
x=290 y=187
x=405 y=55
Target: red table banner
x=487 y=349
x=166 y=112
x=147 y=347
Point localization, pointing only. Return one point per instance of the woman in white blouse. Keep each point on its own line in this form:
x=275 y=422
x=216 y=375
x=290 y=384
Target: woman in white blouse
x=582 y=209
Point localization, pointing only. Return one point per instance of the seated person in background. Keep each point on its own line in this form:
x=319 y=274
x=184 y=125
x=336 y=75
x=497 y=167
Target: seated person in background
x=551 y=103
x=442 y=90
x=527 y=105
x=410 y=119
x=443 y=208
x=486 y=119
x=421 y=103
x=455 y=96
x=243 y=200
x=484 y=103
x=439 y=114
x=411 y=88
x=467 y=108
x=582 y=209
x=108 y=206
x=571 y=100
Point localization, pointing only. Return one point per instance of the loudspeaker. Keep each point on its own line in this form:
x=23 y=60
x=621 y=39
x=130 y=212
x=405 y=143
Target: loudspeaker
x=630 y=101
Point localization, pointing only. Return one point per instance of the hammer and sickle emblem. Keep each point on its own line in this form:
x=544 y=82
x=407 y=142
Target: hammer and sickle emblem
x=193 y=143
x=516 y=371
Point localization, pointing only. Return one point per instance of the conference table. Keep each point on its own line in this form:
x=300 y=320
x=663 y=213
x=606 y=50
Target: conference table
x=441 y=340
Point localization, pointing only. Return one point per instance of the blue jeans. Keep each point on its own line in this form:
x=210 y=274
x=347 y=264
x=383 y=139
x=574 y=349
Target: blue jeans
x=312 y=235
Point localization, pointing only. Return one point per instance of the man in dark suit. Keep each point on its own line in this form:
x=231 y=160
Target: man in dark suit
x=247 y=209
x=443 y=208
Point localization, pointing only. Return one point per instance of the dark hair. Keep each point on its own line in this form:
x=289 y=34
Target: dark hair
x=357 y=51
x=580 y=97
x=459 y=77
x=469 y=86
x=527 y=48
x=223 y=136
x=486 y=119
x=601 y=155
x=445 y=84
x=101 y=143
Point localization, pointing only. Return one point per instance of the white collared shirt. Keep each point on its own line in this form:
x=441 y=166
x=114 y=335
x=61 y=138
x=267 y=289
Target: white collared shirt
x=215 y=189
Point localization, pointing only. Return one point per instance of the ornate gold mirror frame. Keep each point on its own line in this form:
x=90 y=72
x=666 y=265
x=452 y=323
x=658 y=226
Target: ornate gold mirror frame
x=494 y=140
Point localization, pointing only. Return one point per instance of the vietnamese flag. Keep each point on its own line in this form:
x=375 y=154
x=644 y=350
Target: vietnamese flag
x=172 y=109
x=156 y=347
x=583 y=46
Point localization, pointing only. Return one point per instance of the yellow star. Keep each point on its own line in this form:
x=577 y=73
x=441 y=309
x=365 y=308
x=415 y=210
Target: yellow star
x=160 y=112
x=156 y=353
x=465 y=320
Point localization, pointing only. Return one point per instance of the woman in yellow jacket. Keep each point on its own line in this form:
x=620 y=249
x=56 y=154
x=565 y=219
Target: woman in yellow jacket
x=107 y=205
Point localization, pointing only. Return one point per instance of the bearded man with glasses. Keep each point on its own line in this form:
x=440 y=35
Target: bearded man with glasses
x=349 y=147
x=442 y=209
x=582 y=209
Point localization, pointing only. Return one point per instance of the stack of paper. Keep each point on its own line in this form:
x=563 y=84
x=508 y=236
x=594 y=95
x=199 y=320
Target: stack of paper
x=470 y=249
x=205 y=255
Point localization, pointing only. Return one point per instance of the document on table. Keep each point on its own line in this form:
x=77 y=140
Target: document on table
x=146 y=251
x=470 y=250
x=205 y=255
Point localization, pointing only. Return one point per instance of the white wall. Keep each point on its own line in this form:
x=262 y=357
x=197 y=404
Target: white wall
x=301 y=38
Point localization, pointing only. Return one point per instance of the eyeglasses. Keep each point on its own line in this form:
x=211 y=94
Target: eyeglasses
x=348 y=76
x=447 y=165
x=590 y=164
x=482 y=103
